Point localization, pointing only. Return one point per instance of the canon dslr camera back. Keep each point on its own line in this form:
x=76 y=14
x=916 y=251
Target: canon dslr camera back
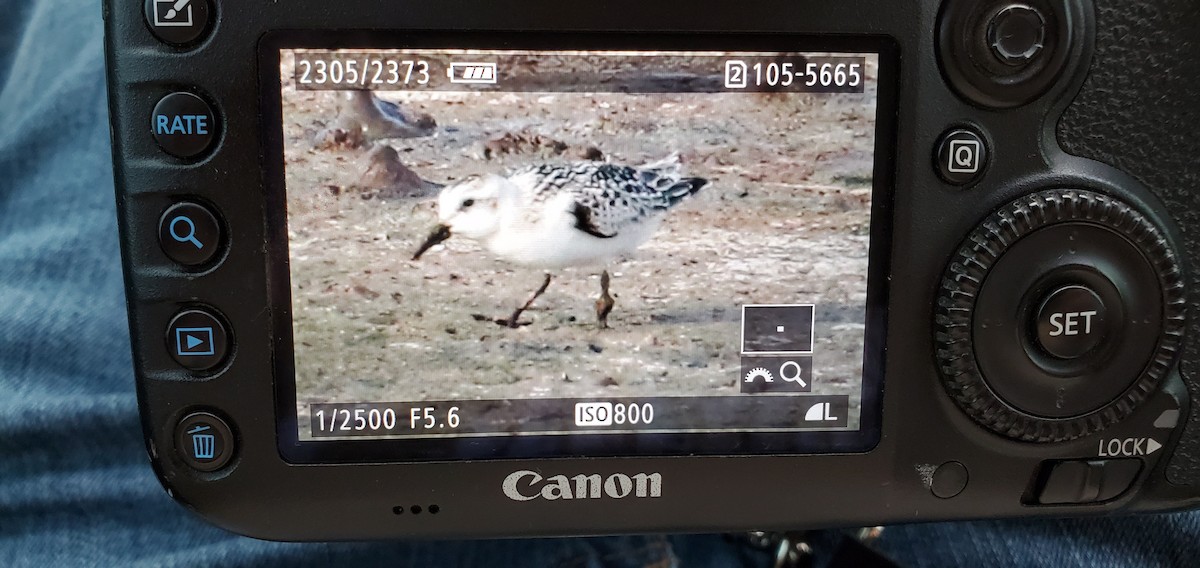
x=534 y=268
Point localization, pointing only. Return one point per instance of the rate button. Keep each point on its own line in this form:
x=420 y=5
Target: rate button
x=183 y=125
x=1071 y=322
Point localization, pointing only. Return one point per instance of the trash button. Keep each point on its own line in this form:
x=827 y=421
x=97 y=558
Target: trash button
x=204 y=441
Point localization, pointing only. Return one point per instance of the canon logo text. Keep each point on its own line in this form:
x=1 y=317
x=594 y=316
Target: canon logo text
x=526 y=485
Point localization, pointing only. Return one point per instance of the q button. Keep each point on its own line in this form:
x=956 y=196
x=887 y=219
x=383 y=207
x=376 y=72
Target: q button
x=189 y=234
x=961 y=156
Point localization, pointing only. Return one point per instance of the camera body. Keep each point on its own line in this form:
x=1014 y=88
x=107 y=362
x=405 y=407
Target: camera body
x=1023 y=325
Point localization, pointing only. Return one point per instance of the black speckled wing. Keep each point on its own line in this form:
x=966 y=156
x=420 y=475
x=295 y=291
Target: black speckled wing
x=607 y=198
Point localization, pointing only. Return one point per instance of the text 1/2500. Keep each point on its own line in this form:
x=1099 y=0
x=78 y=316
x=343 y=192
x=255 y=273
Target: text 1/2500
x=382 y=420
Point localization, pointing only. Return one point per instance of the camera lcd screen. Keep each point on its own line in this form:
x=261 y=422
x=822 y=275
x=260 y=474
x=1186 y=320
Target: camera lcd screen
x=515 y=252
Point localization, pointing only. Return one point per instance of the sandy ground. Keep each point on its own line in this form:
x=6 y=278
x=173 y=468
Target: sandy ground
x=784 y=220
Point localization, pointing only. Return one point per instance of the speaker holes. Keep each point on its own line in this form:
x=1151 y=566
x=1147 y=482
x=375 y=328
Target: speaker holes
x=416 y=509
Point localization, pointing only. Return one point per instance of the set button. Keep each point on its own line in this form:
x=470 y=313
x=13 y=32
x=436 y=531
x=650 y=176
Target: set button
x=204 y=442
x=177 y=21
x=1071 y=322
x=197 y=340
x=183 y=124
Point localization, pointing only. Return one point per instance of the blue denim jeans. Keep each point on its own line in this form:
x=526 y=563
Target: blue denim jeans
x=75 y=486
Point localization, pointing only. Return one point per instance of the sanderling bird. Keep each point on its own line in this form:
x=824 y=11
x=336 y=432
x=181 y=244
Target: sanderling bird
x=385 y=119
x=556 y=216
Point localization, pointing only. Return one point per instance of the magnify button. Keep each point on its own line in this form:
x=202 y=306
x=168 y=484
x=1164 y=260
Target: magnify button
x=189 y=234
x=180 y=235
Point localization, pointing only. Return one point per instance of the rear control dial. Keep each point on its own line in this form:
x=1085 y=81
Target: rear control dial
x=1058 y=315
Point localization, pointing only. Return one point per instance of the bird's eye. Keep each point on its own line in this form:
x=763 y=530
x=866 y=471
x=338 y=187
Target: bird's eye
x=467 y=203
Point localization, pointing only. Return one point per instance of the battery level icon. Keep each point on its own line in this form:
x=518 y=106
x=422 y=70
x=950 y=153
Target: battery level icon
x=472 y=73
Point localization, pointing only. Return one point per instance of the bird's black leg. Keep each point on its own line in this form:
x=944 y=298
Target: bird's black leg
x=513 y=320
x=604 y=304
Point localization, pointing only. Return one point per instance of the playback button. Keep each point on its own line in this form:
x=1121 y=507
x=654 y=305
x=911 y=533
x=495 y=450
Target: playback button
x=189 y=234
x=197 y=340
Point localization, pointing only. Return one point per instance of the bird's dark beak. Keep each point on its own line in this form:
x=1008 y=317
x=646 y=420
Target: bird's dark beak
x=439 y=234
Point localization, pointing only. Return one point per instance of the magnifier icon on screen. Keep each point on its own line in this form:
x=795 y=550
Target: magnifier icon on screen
x=189 y=236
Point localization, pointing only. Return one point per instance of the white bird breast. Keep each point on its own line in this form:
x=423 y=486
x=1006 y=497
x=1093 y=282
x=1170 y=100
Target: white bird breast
x=547 y=238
